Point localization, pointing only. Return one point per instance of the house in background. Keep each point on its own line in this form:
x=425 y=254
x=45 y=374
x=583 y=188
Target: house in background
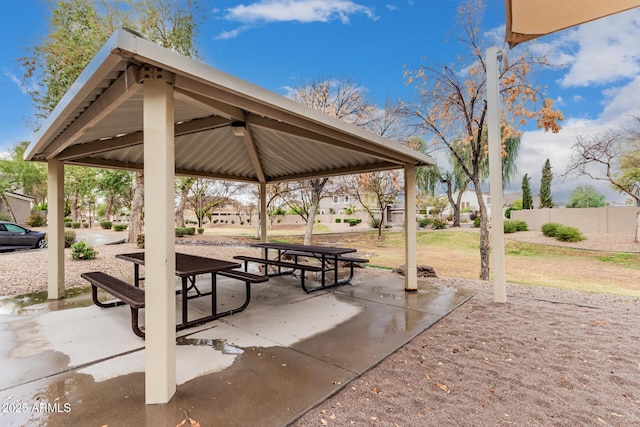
x=468 y=202
x=339 y=204
x=19 y=204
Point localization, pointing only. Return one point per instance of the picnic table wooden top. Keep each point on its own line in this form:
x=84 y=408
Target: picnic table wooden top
x=187 y=265
x=321 y=250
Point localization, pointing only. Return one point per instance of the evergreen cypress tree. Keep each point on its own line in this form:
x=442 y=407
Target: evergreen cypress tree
x=527 y=200
x=545 y=186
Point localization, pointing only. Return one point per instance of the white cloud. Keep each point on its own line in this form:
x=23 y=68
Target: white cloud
x=612 y=40
x=25 y=89
x=304 y=11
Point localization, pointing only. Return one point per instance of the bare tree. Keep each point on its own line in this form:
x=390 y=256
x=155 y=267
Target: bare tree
x=183 y=186
x=613 y=156
x=452 y=106
x=375 y=191
x=344 y=100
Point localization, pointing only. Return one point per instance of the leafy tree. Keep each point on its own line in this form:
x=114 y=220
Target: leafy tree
x=527 y=200
x=79 y=28
x=545 y=186
x=585 y=196
x=115 y=187
x=16 y=174
x=452 y=106
x=79 y=186
x=613 y=156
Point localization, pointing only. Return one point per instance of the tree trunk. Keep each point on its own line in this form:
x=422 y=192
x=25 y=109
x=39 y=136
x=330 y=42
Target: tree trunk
x=484 y=233
x=137 y=204
x=109 y=203
x=184 y=192
x=381 y=224
x=317 y=186
x=6 y=203
x=74 y=206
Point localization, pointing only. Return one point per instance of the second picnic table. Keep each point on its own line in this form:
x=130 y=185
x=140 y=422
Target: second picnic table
x=329 y=257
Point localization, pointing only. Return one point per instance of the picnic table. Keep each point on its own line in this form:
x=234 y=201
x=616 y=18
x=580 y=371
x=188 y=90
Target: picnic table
x=328 y=257
x=187 y=268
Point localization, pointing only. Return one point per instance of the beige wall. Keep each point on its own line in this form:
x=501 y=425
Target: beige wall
x=607 y=220
x=21 y=208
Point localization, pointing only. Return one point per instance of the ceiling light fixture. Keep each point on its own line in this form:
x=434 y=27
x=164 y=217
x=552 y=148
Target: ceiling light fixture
x=239 y=128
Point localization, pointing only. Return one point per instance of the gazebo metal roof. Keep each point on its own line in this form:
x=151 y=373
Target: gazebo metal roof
x=225 y=127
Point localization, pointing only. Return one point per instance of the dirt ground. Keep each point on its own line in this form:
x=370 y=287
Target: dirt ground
x=528 y=362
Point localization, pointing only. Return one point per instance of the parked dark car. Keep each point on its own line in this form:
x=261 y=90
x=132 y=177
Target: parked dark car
x=15 y=236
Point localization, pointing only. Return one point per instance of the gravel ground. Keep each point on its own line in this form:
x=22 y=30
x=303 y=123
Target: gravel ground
x=31 y=276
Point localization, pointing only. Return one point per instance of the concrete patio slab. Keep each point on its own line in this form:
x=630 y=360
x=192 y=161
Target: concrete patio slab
x=265 y=366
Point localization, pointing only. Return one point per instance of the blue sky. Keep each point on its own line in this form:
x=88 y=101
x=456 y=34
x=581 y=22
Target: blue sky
x=278 y=44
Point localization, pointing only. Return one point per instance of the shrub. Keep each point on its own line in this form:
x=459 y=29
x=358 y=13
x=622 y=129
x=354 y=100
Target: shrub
x=375 y=223
x=200 y=230
x=338 y=220
x=81 y=251
x=180 y=232
x=425 y=222
x=67 y=224
x=515 y=225
x=85 y=225
x=550 y=229
x=140 y=240
x=510 y=227
x=438 y=224
x=568 y=234
x=190 y=231
x=521 y=225
x=106 y=225
x=75 y=225
x=119 y=227
x=353 y=222
x=476 y=222
x=69 y=238
x=67 y=219
x=34 y=220
x=507 y=213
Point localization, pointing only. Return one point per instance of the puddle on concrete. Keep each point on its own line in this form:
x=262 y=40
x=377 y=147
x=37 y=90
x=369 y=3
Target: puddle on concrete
x=217 y=344
x=38 y=302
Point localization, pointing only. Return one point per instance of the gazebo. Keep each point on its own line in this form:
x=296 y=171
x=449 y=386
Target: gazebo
x=138 y=106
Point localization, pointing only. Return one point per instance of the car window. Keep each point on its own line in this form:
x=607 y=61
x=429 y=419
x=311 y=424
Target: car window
x=14 y=228
x=2 y=228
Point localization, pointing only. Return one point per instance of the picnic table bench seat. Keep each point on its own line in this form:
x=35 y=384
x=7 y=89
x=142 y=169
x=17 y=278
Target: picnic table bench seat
x=134 y=296
x=345 y=257
x=125 y=292
x=292 y=265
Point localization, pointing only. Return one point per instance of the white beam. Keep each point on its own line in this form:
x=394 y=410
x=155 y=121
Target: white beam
x=55 y=229
x=252 y=152
x=495 y=177
x=411 y=272
x=160 y=299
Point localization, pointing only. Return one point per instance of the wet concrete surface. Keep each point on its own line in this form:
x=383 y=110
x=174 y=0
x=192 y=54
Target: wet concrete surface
x=265 y=366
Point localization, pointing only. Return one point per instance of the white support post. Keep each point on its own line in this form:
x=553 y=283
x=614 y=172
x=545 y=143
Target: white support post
x=495 y=176
x=55 y=229
x=411 y=272
x=160 y=299
x=263 y=212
